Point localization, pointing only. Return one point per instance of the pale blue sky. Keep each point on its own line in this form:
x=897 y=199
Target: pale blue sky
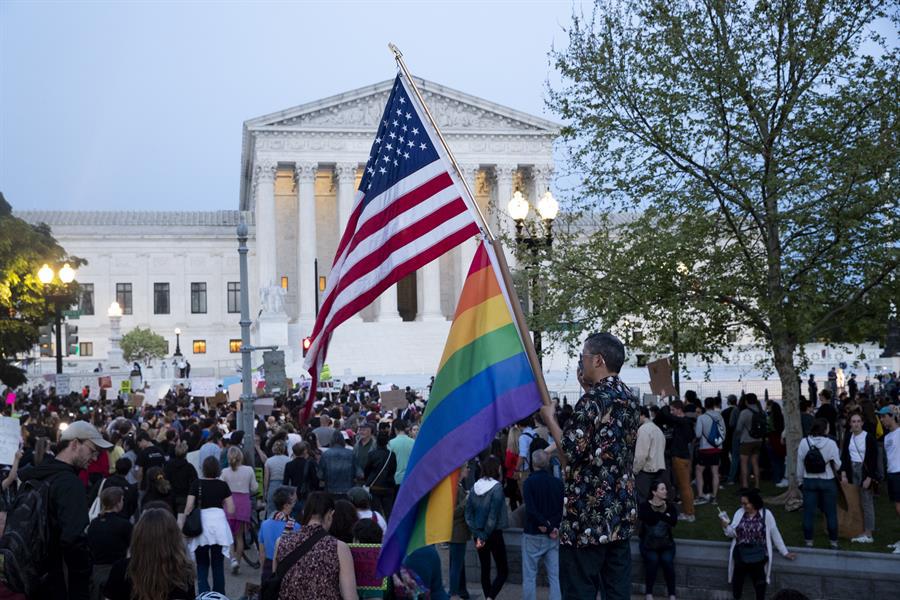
x=139 y=105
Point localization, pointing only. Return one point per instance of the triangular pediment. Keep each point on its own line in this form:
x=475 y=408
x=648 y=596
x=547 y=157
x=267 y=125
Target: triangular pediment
x=361 y=109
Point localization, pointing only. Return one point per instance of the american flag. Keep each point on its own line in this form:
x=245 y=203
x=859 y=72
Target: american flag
x=409 y=210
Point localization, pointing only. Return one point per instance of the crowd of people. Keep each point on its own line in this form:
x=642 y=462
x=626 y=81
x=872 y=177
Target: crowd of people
x=152 y=502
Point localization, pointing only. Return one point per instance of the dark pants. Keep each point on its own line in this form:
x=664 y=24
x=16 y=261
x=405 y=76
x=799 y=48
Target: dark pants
x=382 y=501
x=757 y=573
x=210 y=556
x=494 y=547
x=266 y=571
x=604 y=568
x=98 y=580
x=458 y=569
x=821 y=494
x=653 y=559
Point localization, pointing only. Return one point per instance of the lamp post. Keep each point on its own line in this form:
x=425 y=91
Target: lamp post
x=177 y=343
x=66 y=275
x=115 y=356
x=681 y=270
x=547 y=209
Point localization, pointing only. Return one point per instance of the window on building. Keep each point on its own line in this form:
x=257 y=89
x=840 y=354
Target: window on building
x=234 y=346
x=86 y=305
x=284 y=282
x=199 y=346
x=160 y=298
x=234 y=296
x=198 y=298
x=123 y=297
x=86 y=349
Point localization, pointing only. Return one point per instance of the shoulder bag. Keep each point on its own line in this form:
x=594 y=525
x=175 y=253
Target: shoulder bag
x=193 y=524
x=96 y=507
x=368 y=488
x=272 y=586
x=749 y=553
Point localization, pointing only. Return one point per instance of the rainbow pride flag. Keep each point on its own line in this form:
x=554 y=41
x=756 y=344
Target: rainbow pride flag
x=484 y=383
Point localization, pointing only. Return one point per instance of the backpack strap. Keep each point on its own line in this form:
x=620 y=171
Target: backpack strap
x=297 y=553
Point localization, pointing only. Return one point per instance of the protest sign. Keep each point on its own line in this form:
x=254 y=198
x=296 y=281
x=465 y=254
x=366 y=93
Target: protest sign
x=263 y=407
x=104 y=382
x=203 y=386
x=63 y=384
x=661 y=377
x=216 y=400
x=125 y=386
x=234 y=392
x=393 y=400
x=10 y=439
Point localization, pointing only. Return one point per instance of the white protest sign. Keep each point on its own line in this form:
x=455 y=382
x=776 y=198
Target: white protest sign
x=10 y=439
x=63 y=384
x=203 y=386
x=234 y=392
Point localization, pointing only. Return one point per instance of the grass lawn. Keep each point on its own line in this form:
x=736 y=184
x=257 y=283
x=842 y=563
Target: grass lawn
x=707 y=526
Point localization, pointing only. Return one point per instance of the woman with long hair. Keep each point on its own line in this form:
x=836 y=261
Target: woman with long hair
x=181 y=474
x=158 y=567
x=213 y=496
x=326 y=571
x=158 y=489
x=241 y=480
x=658 y=516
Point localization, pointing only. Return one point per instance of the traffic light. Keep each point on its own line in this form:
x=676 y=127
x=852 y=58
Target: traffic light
x=45 y=341
x=307 y=342
x=72 y=347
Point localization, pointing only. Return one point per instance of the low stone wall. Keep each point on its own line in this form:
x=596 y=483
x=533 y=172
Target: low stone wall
x=701 y=571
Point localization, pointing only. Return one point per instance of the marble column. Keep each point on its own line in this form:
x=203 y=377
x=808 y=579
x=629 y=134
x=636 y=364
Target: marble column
x=264 y=183
x=541 y=175
x=345 y=173
x=430 y=307
x=306 y=233
x=387 y=306
x=467 y=248
x=505 y=225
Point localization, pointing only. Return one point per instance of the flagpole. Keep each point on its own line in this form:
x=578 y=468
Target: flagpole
x=398 y=56
x=495 y=243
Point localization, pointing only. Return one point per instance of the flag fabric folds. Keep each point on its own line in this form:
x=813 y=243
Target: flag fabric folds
x=409 y=210
x=484 y=382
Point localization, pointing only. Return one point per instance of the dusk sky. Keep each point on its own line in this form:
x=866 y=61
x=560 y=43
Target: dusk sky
x=139 y=105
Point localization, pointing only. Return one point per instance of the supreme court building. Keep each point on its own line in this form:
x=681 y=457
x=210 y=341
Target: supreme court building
x=300 y=168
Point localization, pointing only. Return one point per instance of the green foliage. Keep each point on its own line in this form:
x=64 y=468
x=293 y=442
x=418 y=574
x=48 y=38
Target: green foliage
x=24 y=248
x=756 y=142
x=143 y=345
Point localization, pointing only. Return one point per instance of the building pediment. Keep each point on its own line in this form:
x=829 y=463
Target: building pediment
x=361 y=110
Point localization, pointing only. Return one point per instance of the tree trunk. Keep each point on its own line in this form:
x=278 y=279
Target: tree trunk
x=793 y=431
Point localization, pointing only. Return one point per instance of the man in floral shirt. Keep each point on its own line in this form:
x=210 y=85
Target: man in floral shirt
x=600 y=506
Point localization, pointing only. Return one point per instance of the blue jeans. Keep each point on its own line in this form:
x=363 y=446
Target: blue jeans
x=820 y=494
x=534 y=548
x=458 y=569
x=210 y=556
x=653 y=560
x=604 y=568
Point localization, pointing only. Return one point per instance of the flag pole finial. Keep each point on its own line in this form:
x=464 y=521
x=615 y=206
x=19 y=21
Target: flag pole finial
x=397 y=54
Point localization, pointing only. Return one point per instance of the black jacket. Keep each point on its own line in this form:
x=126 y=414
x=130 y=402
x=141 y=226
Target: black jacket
x=68 y=541
x=381 y=480
x=870 y=462
x=543 y=494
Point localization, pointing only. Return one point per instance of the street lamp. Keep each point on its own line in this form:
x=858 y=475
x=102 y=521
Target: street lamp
x=66 y=276
x=547 y=209
x=177 y=342
x=681 y=270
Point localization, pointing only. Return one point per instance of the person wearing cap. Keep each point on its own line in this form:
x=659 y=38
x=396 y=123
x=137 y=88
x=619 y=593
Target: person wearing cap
x=365 y=443
x=69 y=556
x=888 y=417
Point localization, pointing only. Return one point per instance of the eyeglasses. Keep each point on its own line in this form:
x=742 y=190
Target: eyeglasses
x=95 y=451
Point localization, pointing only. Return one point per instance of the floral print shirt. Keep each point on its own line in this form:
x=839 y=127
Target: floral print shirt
x=598 y=442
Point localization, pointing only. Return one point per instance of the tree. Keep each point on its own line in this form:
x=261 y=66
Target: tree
x=755 y=142
x=24 y=248
x=143 y=345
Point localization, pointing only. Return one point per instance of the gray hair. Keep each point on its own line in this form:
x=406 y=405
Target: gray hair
x=540 y=460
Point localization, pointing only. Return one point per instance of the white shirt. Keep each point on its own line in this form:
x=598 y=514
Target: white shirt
x=830 y=453
x=367 y=514
x=892 y=450
x=858 y=447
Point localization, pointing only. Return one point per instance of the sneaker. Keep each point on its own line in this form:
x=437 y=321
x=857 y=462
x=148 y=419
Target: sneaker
x=863 y=539
x=834 y=545
x=686 y=518
x=235 y=566
x=896 y=550
x=808 y=543
x=783 y=483
x=894 y=545
x=700 y=501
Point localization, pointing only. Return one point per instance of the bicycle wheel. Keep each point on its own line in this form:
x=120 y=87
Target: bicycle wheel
x=251 y=548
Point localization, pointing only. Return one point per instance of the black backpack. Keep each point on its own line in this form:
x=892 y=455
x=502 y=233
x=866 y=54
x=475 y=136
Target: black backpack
x=814 y=462
x=25 y=543
x=537 y=443
x=758 y=425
